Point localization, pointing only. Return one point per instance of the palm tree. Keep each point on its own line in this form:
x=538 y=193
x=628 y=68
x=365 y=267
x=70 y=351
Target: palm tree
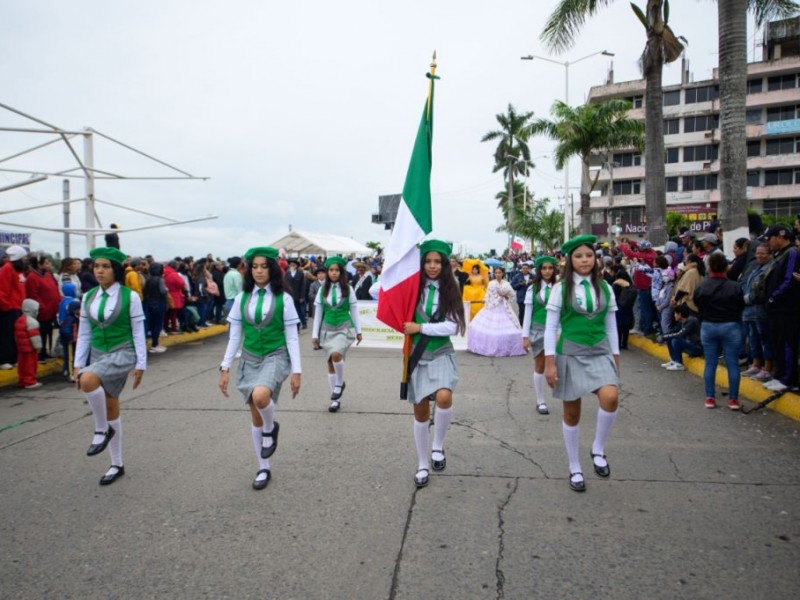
x=512 y=154
x=519 y=194
x=662 y=46
x=539 y=224
x=587 y=130
x=732 y=16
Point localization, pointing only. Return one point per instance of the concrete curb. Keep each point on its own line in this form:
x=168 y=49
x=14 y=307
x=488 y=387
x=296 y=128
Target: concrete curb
x=788 y=405
x=53 y=367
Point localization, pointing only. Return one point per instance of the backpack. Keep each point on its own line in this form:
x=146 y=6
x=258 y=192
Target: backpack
x=759 y=287
x=627 y=297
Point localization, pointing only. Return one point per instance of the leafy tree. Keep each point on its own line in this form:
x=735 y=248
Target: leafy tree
x=375 y=247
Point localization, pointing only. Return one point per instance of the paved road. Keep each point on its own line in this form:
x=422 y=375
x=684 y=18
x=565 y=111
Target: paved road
x=701 y=504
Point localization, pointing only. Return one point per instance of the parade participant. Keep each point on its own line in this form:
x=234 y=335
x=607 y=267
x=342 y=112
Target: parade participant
x=535 y=317
x=111 y=339
x=336 y=324
x=475 y=290
x=264 y=320
x=586 y=357
x=495 y=331
x=439 y=314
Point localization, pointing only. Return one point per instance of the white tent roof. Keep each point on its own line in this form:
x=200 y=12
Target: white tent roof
x=301 y=242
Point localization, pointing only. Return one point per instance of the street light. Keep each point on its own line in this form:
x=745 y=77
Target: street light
x=566 y=65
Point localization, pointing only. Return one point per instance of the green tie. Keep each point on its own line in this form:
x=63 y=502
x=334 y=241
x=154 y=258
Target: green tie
x=102 y=308
x=260 y=304
x=546 y=294
x=587 y=289
x=333 y=295
x=429 y=302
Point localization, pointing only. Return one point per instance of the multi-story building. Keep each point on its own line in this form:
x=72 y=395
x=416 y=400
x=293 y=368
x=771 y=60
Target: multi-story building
x=692 y=136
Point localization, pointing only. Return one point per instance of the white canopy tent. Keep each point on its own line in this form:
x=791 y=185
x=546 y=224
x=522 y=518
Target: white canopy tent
x=301 y=242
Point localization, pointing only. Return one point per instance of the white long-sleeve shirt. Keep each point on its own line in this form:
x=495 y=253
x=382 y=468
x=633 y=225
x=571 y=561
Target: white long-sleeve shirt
x=319 y=308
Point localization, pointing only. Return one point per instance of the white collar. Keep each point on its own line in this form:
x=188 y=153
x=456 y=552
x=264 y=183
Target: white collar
x=579 y=279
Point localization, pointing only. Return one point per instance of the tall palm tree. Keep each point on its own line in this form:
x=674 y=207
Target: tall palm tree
x=520 y=191
x=662 y=46
x=540 y=224
x=732 y=16
x=512 y=154
x=586 y=130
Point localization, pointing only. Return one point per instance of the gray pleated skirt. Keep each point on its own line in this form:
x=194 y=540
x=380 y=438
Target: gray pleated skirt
x=268 y=371
x=537 y=340
x=336 y=339
x=581 y=375
x=433 y=372
x=112 y=368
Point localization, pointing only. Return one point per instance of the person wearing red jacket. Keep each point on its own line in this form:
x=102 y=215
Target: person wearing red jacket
x=644 y=253
x=176 y=303
x=29 y=343
x=41 y=286
x=12 y=293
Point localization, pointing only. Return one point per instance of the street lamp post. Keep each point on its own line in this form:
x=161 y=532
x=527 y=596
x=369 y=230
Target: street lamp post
x=566 y=65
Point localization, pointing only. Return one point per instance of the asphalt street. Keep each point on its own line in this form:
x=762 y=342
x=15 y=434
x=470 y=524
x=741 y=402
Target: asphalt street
x=700 y=504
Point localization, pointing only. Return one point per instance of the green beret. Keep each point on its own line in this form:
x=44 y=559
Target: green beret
x=335 y=260
x=112 y=254
x=439 y=246
x=545 y=259
x=581 y=240
x=265 y=251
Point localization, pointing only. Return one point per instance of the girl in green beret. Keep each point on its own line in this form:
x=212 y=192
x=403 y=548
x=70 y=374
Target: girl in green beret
x=263 y=321
x=439 y=314
x=111 y=340
x=535 y=317
x=586 y=356
x=336 y=324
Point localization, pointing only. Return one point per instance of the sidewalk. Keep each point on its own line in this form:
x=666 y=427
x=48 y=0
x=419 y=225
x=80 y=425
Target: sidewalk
x=788 y=405
x=53 y=366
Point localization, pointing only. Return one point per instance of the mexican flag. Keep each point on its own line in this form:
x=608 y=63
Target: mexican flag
x=517 y=243
x=400 y=276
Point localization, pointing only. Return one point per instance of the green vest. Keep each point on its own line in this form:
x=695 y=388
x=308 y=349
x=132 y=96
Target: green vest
x=268 y=336
x=539 y=316
x=336 y=315
x=115 y=331
x=434 y=341
x=581 y=331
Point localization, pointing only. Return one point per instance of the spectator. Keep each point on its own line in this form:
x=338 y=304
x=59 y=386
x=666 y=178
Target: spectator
x=693 y=272
x=721 y=304
x=313 y=289
x=112 y=239
x=756 y=319
x=41 y=286
x=740 y=251
x=12 y=293
x=361 y=282
x=199 y=295
x=460 y=276
x=295 y=281
x=176 y=317
x=218 y=275
x=86 y=276
x=647 y=309
x=29 y=344
x=686 y=339
x=68 y=272
x=232 y=281
x=155 y=305
x=626 y=295
x=521 y=282
x=68 y=335
x=134 y=279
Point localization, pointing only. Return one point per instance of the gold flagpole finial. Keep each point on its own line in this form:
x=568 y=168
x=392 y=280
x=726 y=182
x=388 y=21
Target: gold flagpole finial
x=433 y=62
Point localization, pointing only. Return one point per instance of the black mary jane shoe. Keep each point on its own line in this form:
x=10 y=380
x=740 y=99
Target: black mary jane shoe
x=542 y=409
x=98 y=448
x=601 y=471
x=336 y=396
x=438 y=465
x=267 y=452
x=108 y=479
x=577 y=486
x=260 y=484
x=334 y=406
x=421 y=478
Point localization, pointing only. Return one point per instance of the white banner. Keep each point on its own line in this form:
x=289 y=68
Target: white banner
x=378 y=335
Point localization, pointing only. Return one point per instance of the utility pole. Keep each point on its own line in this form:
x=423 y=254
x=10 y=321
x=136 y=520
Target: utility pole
x=65 y=191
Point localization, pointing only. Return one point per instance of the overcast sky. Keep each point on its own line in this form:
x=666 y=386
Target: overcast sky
x=300 y=113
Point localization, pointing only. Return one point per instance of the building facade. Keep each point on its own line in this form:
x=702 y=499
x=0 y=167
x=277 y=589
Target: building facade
x=691 y=140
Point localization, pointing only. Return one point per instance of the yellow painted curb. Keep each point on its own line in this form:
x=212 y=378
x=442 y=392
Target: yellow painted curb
x=788 y=405
x=53 y=366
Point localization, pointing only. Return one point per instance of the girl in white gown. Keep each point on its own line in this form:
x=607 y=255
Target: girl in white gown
x=495 y=330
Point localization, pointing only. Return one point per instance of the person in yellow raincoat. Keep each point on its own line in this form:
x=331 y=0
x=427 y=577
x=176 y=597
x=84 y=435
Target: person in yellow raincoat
x=478 y=282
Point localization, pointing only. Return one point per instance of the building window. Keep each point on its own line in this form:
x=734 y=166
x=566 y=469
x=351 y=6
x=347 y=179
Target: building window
x=671 y=155
x=754 y=148
x=754 y=86
x=701 y=123
x=781 y=113
x=786 y=145
x=702 y=94
x=627 y=159
x=671 y=184
x=672 y=126
x=698 y=153
x=753 y=116
x=627 y=187
x=785 y=207
x=782 y=82
x=699 y=182
x=627 y=214
x=637 y=101
x=672 y=98
x=753 y=179
x=779 y=177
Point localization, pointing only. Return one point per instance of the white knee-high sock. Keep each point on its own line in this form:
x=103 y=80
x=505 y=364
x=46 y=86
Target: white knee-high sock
x=605 y=421
x=268 y=416
x=97 y=402
x=263 y=463
x=440 y=426
x=572 y=440
x=338 y=367
x=421 y=440
x=115 y=445
x=538 y=387
x=332 y=380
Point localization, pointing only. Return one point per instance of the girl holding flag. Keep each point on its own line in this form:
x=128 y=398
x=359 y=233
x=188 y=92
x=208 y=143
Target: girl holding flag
x=586 y=357
x=264 y=321
x=533 y=326
x=336 y=324
x=439 y=314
